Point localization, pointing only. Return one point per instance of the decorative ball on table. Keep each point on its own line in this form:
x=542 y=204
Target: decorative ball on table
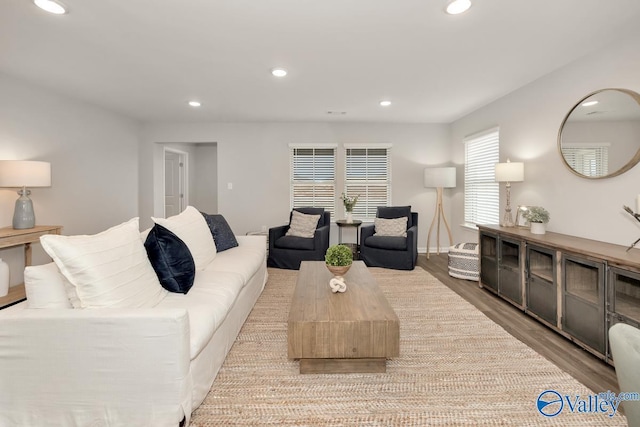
x=338 y=259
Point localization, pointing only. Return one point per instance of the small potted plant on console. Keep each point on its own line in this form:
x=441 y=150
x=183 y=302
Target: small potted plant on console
x=537 y=217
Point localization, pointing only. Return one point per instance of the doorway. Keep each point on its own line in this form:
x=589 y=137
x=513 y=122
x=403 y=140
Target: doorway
x=175 y=181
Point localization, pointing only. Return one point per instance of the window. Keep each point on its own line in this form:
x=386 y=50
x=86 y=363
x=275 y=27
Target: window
x=587 y=159
x=481 y=192
x=368 y=175
x=313 y=177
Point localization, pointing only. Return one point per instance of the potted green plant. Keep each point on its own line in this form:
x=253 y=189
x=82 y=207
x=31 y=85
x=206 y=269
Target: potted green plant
x=537 y=217
x=338 y=259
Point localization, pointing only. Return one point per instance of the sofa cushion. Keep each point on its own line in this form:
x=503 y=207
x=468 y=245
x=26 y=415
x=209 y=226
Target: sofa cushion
x=302 y=225
x=387 y=242
x=396 y=227
x=245 y=259
x=44 y=287
x=390 y=212
x=222 y=234
x=191 y=227
x=108 y=269
x=211 y=298
x=294 y=242
x=171 y=259
x=311 y=211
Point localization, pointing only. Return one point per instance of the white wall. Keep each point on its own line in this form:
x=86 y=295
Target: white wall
x=529 y=120
x=254 y=158
x=93 y=155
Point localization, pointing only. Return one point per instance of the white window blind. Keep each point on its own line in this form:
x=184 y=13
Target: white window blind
x=368 y=175
x=587 y=159
x=481 y=192
x=313 y=177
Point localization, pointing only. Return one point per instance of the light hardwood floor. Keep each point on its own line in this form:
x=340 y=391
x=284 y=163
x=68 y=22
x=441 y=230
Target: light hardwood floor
x=582 y=365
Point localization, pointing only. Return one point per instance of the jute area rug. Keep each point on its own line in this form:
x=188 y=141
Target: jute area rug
x=456 y=368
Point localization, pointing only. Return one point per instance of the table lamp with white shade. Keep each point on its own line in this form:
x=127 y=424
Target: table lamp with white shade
x=22 y=174
x=509 y=172
x=439 y=178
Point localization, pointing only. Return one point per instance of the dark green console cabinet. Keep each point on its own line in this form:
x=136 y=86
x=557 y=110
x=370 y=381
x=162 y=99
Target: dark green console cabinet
x=578 y=287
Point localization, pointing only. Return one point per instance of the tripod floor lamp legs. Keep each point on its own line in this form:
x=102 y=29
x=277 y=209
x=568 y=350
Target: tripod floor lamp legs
x=439 y=213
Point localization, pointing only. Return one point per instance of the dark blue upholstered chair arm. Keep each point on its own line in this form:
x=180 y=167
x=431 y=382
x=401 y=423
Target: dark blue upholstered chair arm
x=366 y=231
x=275 y=233
x=321 y=238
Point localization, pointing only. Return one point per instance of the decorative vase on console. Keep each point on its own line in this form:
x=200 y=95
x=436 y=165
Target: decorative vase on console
x=349 y=203
x=537 y=217
x=338 y=259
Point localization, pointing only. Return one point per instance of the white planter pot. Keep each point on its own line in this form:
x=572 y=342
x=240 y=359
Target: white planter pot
x=538 y=228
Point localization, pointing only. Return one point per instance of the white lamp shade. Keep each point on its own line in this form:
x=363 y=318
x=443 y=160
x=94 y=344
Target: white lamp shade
x=510 y=172
x=440 y=177
x=25 y=173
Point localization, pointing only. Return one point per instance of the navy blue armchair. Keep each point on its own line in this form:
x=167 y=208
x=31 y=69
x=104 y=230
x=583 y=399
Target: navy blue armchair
x=289 y=251
x=400 y=253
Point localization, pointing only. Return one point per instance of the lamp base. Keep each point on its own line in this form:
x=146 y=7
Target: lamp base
x=23 y=214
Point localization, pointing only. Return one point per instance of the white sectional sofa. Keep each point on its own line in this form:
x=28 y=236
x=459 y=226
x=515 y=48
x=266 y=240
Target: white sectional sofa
x=148 y=366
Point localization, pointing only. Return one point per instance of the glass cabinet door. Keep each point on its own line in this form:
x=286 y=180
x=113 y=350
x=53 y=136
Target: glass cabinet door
x=489 y=260
x=583 y=301
x=542 y=291
x=509 y=276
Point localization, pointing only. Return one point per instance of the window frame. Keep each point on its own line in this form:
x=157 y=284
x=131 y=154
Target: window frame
x=319 y=177
x=376 y=172
x=480 y=185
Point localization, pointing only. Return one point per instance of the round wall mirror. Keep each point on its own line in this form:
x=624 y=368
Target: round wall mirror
x=600 y=136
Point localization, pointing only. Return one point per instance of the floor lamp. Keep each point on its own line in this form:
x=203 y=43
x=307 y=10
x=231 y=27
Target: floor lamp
x=439 y=178
x=509 y=172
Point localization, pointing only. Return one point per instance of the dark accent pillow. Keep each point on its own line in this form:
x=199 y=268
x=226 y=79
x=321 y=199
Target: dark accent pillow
x=391 y=212
x=311 y=211
x=222 y=234
x=171 y=259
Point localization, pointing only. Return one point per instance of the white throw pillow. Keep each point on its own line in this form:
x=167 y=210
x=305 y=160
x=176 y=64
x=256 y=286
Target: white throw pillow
x=44 y=286
x=391 y=227
x=108 y=269
x=191 y=227
x=303 y=225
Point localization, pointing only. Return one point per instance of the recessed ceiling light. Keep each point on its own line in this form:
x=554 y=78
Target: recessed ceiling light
x=279 y=72
x=337 y=113
x=195 y=103
x=51 y=6
x=455 y=7
x=385 y=103
x=589 y=103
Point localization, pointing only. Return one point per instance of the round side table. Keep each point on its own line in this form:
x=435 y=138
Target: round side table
x=355 y=247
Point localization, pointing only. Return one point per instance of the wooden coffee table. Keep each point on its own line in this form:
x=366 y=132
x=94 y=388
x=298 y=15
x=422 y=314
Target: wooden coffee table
x=354 y=331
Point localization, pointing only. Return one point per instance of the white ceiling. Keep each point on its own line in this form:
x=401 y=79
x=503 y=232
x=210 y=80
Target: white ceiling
x=147 y=58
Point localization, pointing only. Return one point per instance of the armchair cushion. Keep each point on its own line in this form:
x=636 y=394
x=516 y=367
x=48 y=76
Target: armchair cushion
x=311 y=211
x=295 y=242
x=303 y=225
x=390 y=212
x=396 y=227
x=394 y=243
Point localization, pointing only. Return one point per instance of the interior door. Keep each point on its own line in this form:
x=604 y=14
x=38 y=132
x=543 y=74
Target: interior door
x=173 y=183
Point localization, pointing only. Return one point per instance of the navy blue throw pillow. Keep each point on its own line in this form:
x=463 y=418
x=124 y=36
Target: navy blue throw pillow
x=171 y=259
x=222 y=234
